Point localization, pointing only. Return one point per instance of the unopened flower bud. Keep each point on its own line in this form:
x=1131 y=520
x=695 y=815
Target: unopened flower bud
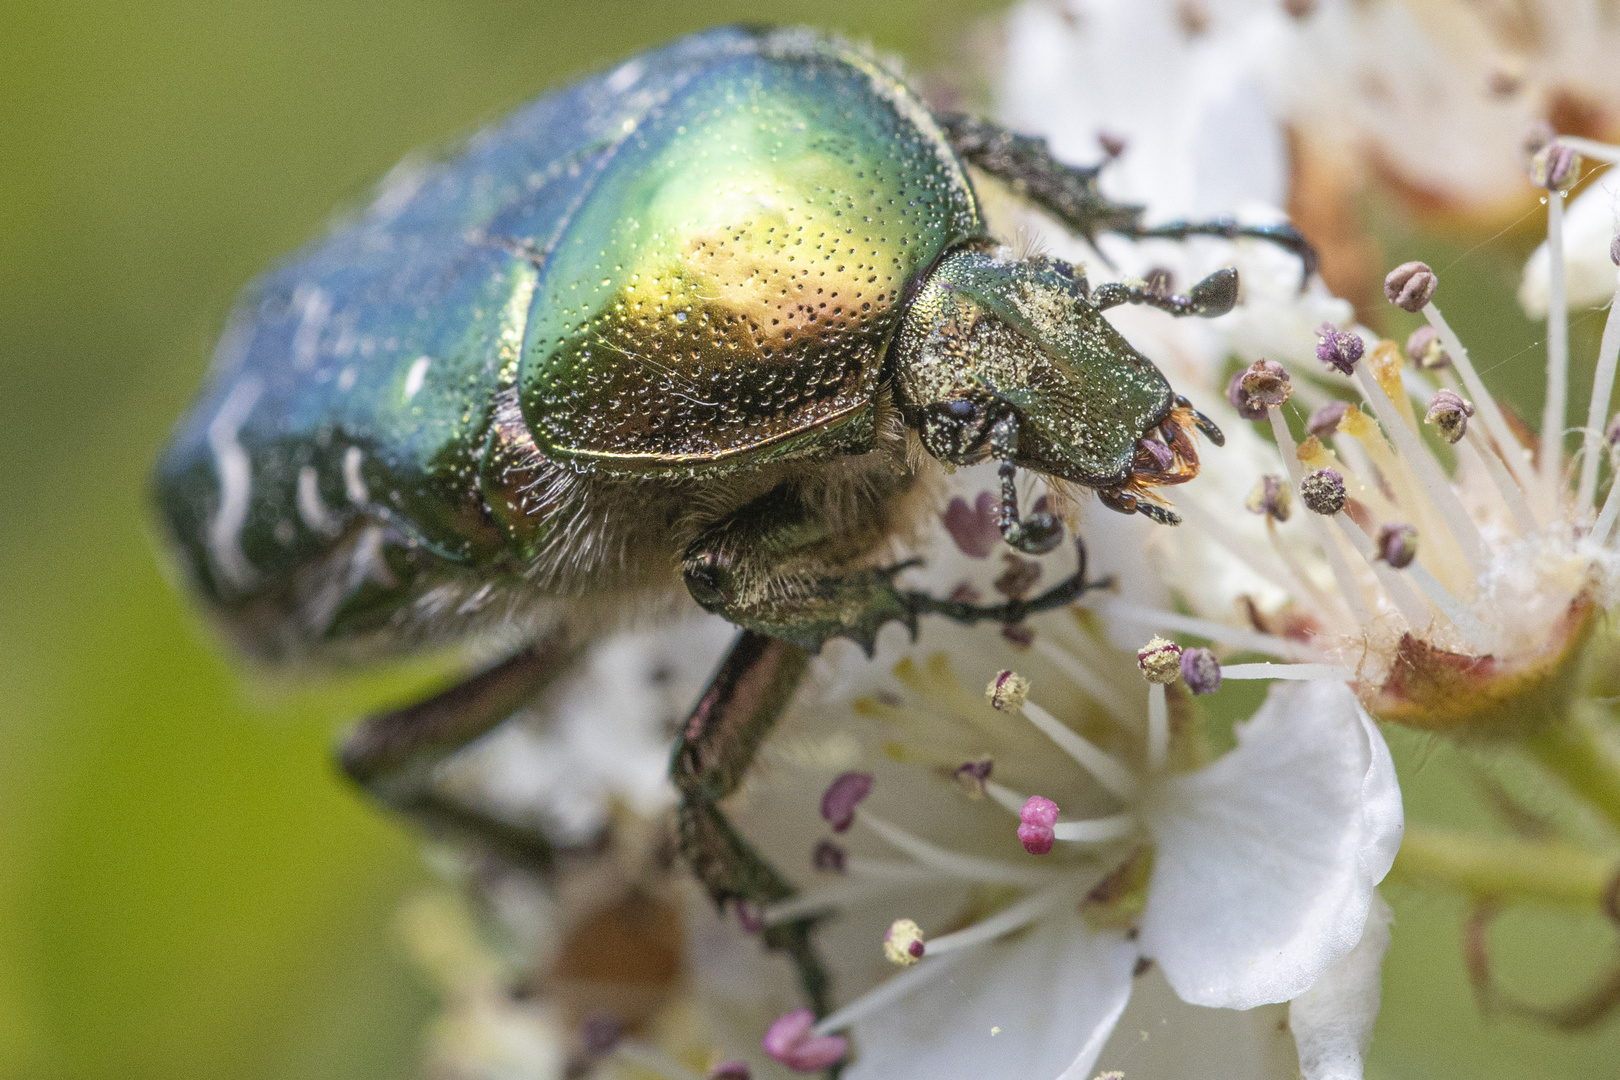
x=1423 y=348
x=1007 y=692
x=1410 y=285
x=1246 y=408
x=1325 y=421
x=1322 y=491
x=1160 y=660
x=1553 y=166
x=1397 y=545
x=1271 y=496
x=789 y=1041
x=972 y=775
x=843 y=795
x=730 y=1070
x=1449 y=413
x=1266 y=383
x=903 y=944
x=1035 y=824
x=1200 y=671
x=1339 y=349
x=828 y=857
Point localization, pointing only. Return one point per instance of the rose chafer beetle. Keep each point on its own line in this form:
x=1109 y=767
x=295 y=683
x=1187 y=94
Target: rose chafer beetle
x=693 y=326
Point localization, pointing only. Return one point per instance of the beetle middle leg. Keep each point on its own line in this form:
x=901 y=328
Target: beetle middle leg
x=744 y=699
x=1070 y=193
x=395 y=755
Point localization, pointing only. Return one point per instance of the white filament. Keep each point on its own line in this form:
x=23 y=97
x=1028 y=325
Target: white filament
x=951 y=863
x=1158 y=743
x=886 y=994
x=1110 y=773
x=1557 y=406
x=1094 y=686
x=1495 y=423
x=1434 y=482
x=1153 y=618
x=1019 y=915
x=1598 y=412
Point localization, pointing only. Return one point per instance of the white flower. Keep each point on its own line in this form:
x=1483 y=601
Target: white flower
x=1244 y=879
x=600 y=737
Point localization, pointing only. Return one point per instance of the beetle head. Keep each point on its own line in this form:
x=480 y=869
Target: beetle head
x=1010 y=360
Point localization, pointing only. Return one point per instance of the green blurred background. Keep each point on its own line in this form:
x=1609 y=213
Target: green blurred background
x=185 y=888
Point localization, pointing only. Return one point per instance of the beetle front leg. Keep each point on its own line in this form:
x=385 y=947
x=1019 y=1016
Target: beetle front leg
x=748 y=693
x=785 y=566
x=394 y=755
x=1070 y=193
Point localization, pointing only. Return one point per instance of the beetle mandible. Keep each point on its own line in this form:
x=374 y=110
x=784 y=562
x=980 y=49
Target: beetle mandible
x=676 y=329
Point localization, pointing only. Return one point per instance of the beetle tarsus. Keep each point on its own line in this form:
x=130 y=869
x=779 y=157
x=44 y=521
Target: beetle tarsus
x=1214 y=295
x=1037 y=534
x=1014 y=611
x=1282 y=234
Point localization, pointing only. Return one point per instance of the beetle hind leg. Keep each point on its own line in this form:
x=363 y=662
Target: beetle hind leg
x=744 y=699
x=395 y=755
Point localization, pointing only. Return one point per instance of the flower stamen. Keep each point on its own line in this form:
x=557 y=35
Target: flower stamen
x=951 y=863
x=1107 y=770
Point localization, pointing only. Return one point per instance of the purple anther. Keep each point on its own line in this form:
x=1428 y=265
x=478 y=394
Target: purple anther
x=972 y=775
x=1410 y=286
x=1322 y=491
x=1020 y=576
x=1021 y=636
x=1339 y=349
x=843 y=795
x=1200 y=671
x=1325 y=421
x=1246 y=408
x=750 y=917
x=1036 y=820
x=1397 y=545
x=789 y=1042
x=1272 y=497
x=1266 y=383
x=828 y=856
x=1424 y=349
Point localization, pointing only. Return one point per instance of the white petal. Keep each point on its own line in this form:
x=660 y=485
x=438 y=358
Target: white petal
x=1332 y=1021
x=1266 y=860
x=1036 y=1008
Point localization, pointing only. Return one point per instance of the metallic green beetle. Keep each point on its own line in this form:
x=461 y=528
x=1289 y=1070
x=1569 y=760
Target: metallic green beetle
x=677 y=329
